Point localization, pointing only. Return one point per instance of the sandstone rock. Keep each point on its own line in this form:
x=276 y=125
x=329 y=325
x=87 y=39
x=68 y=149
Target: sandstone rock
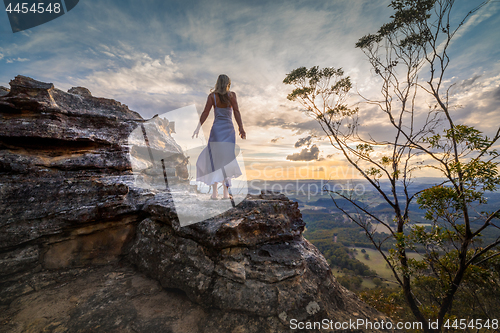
x=82 y=91
x=64 y=180
x=110 y=299
x=75 y=221
x=3 y=91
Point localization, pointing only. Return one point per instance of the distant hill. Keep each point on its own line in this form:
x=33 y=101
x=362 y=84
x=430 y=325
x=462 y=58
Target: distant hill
x=342 y=203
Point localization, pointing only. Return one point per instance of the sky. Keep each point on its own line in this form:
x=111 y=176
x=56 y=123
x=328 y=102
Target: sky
x=158 y=56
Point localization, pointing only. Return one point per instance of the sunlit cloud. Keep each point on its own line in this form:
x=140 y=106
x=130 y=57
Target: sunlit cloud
x=306 y=154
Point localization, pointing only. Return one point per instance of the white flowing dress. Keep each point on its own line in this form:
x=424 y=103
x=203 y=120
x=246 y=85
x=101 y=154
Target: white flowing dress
x=217 y=161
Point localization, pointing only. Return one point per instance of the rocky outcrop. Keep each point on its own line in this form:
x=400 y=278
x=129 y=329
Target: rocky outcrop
x=83 y=248
x=105 y=298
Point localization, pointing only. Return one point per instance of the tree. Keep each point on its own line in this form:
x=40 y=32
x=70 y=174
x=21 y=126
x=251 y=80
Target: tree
x=351 y=282
x=410 y=57
x=478 y=296
x=377 y=281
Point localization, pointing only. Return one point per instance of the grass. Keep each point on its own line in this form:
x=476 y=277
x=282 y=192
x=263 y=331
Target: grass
x=377 y=263
x=368 y=283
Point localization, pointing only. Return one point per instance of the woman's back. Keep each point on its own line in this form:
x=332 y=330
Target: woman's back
x=223 y=110
x=221 y=104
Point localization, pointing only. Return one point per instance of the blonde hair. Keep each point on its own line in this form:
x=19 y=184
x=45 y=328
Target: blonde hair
x=222 y=88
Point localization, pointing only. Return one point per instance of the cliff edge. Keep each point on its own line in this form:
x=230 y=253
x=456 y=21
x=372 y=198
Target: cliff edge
x=83 y=249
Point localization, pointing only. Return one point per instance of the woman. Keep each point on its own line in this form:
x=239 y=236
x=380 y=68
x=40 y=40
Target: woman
x=217 y=162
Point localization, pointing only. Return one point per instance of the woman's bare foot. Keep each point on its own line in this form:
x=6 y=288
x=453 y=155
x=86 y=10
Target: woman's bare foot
x=226 y=192
x=214 y=192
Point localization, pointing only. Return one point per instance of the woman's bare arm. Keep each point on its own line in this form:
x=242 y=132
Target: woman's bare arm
x=237 y=114
x=204 y=115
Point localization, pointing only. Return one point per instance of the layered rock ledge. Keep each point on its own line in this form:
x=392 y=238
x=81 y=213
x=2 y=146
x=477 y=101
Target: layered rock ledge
x=83 y=248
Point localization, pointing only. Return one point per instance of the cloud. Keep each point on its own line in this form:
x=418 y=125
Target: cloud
x=469 y=82
x=306 y=141
x=277 y=138
x=19 y=59
x=167 y=55
x=255 y=45
x=479 y=105
x=306 y=154
x=475 y=19
x=144 y=74
x=299 y=126
x=496 y=94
